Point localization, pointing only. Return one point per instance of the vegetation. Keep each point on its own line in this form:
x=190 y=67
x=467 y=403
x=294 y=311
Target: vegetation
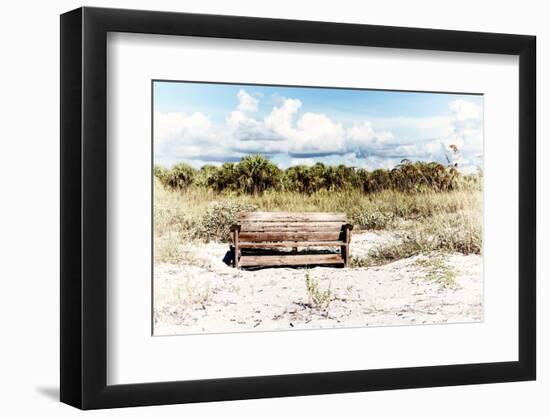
x=437 y=270
x=179 y=177
x=255 y=175
x=183 y=293
x=217 y=219
x=319 y=299
x=438 y=230
x=430 y=207
x=443 y=221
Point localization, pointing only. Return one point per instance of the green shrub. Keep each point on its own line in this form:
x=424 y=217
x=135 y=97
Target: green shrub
x=375 y=181
x=224 y=178
x=216 y=222
x=298 y=178
x=179 y=177
x=339 y=177
x=160 y=172
x=372 y=220
x=413 y=177
x=205 y=174
x=308 y=180
x=410 y=177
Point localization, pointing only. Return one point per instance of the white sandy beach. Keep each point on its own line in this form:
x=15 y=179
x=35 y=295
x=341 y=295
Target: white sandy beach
x=204 y=294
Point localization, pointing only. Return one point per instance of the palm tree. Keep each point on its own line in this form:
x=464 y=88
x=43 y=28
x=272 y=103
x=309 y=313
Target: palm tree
x=255 y=174
x=298 y=178
x=179 y=177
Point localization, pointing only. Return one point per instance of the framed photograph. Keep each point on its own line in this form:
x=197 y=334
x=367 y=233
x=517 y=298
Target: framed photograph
x=259 y=208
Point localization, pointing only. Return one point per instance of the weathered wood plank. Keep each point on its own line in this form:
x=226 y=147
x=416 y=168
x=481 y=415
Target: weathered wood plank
x=326 y=243
x=256 y=222
x=278 y=260
x=291 y=216
x=291 y=227
x=289 y=236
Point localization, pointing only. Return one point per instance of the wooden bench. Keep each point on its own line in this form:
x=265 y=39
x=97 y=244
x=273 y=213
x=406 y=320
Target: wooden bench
x=273 y=231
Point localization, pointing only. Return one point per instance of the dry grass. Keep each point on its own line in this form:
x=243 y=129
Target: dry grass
x=426 y=221
x=182 y=293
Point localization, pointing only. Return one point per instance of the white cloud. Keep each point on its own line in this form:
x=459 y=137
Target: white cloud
x=244 y=126
x=316 y=133
x=467 y=133
x=466 y=111
x=301 y=161
x=247 y=103
x=308 y=137
x=280 y=119
x=170 y=126
x=179 y=136
x=361 y=137
x=313 y=133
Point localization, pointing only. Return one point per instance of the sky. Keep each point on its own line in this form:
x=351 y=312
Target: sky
x=202 y=123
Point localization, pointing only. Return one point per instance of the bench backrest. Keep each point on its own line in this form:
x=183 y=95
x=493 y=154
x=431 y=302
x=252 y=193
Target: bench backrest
x=261 y=226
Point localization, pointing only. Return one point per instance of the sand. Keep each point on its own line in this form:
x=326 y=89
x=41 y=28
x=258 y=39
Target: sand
x=203 y=294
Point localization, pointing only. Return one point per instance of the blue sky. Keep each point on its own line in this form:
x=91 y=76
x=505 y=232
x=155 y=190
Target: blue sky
x=201 y=123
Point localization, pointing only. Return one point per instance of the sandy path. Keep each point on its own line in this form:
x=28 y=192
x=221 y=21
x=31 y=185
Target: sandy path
x=203 y=294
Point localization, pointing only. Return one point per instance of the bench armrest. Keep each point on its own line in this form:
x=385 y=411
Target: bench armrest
x=236 y=227
x=348 y=226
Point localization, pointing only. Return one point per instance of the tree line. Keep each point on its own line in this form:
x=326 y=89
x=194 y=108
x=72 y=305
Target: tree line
x=256 y=174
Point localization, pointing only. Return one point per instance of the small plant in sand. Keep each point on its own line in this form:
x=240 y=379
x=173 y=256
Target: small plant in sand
x=181 y=293
x=318 y=298
x=388 y=253
x=360 y=262
x=167 y=249
x=437 y=270
x=395 y=251
x=197 y=294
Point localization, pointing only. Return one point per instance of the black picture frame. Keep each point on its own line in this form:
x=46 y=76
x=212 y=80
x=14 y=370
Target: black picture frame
x=84 y=207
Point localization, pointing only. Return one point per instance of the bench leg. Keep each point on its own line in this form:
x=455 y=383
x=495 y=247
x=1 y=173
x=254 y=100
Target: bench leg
x=345 y=254
x=236 y=249
x=345 y=248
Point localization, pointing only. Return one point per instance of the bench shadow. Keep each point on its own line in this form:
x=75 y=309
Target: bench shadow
x=229 y=257
x=304 y=267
